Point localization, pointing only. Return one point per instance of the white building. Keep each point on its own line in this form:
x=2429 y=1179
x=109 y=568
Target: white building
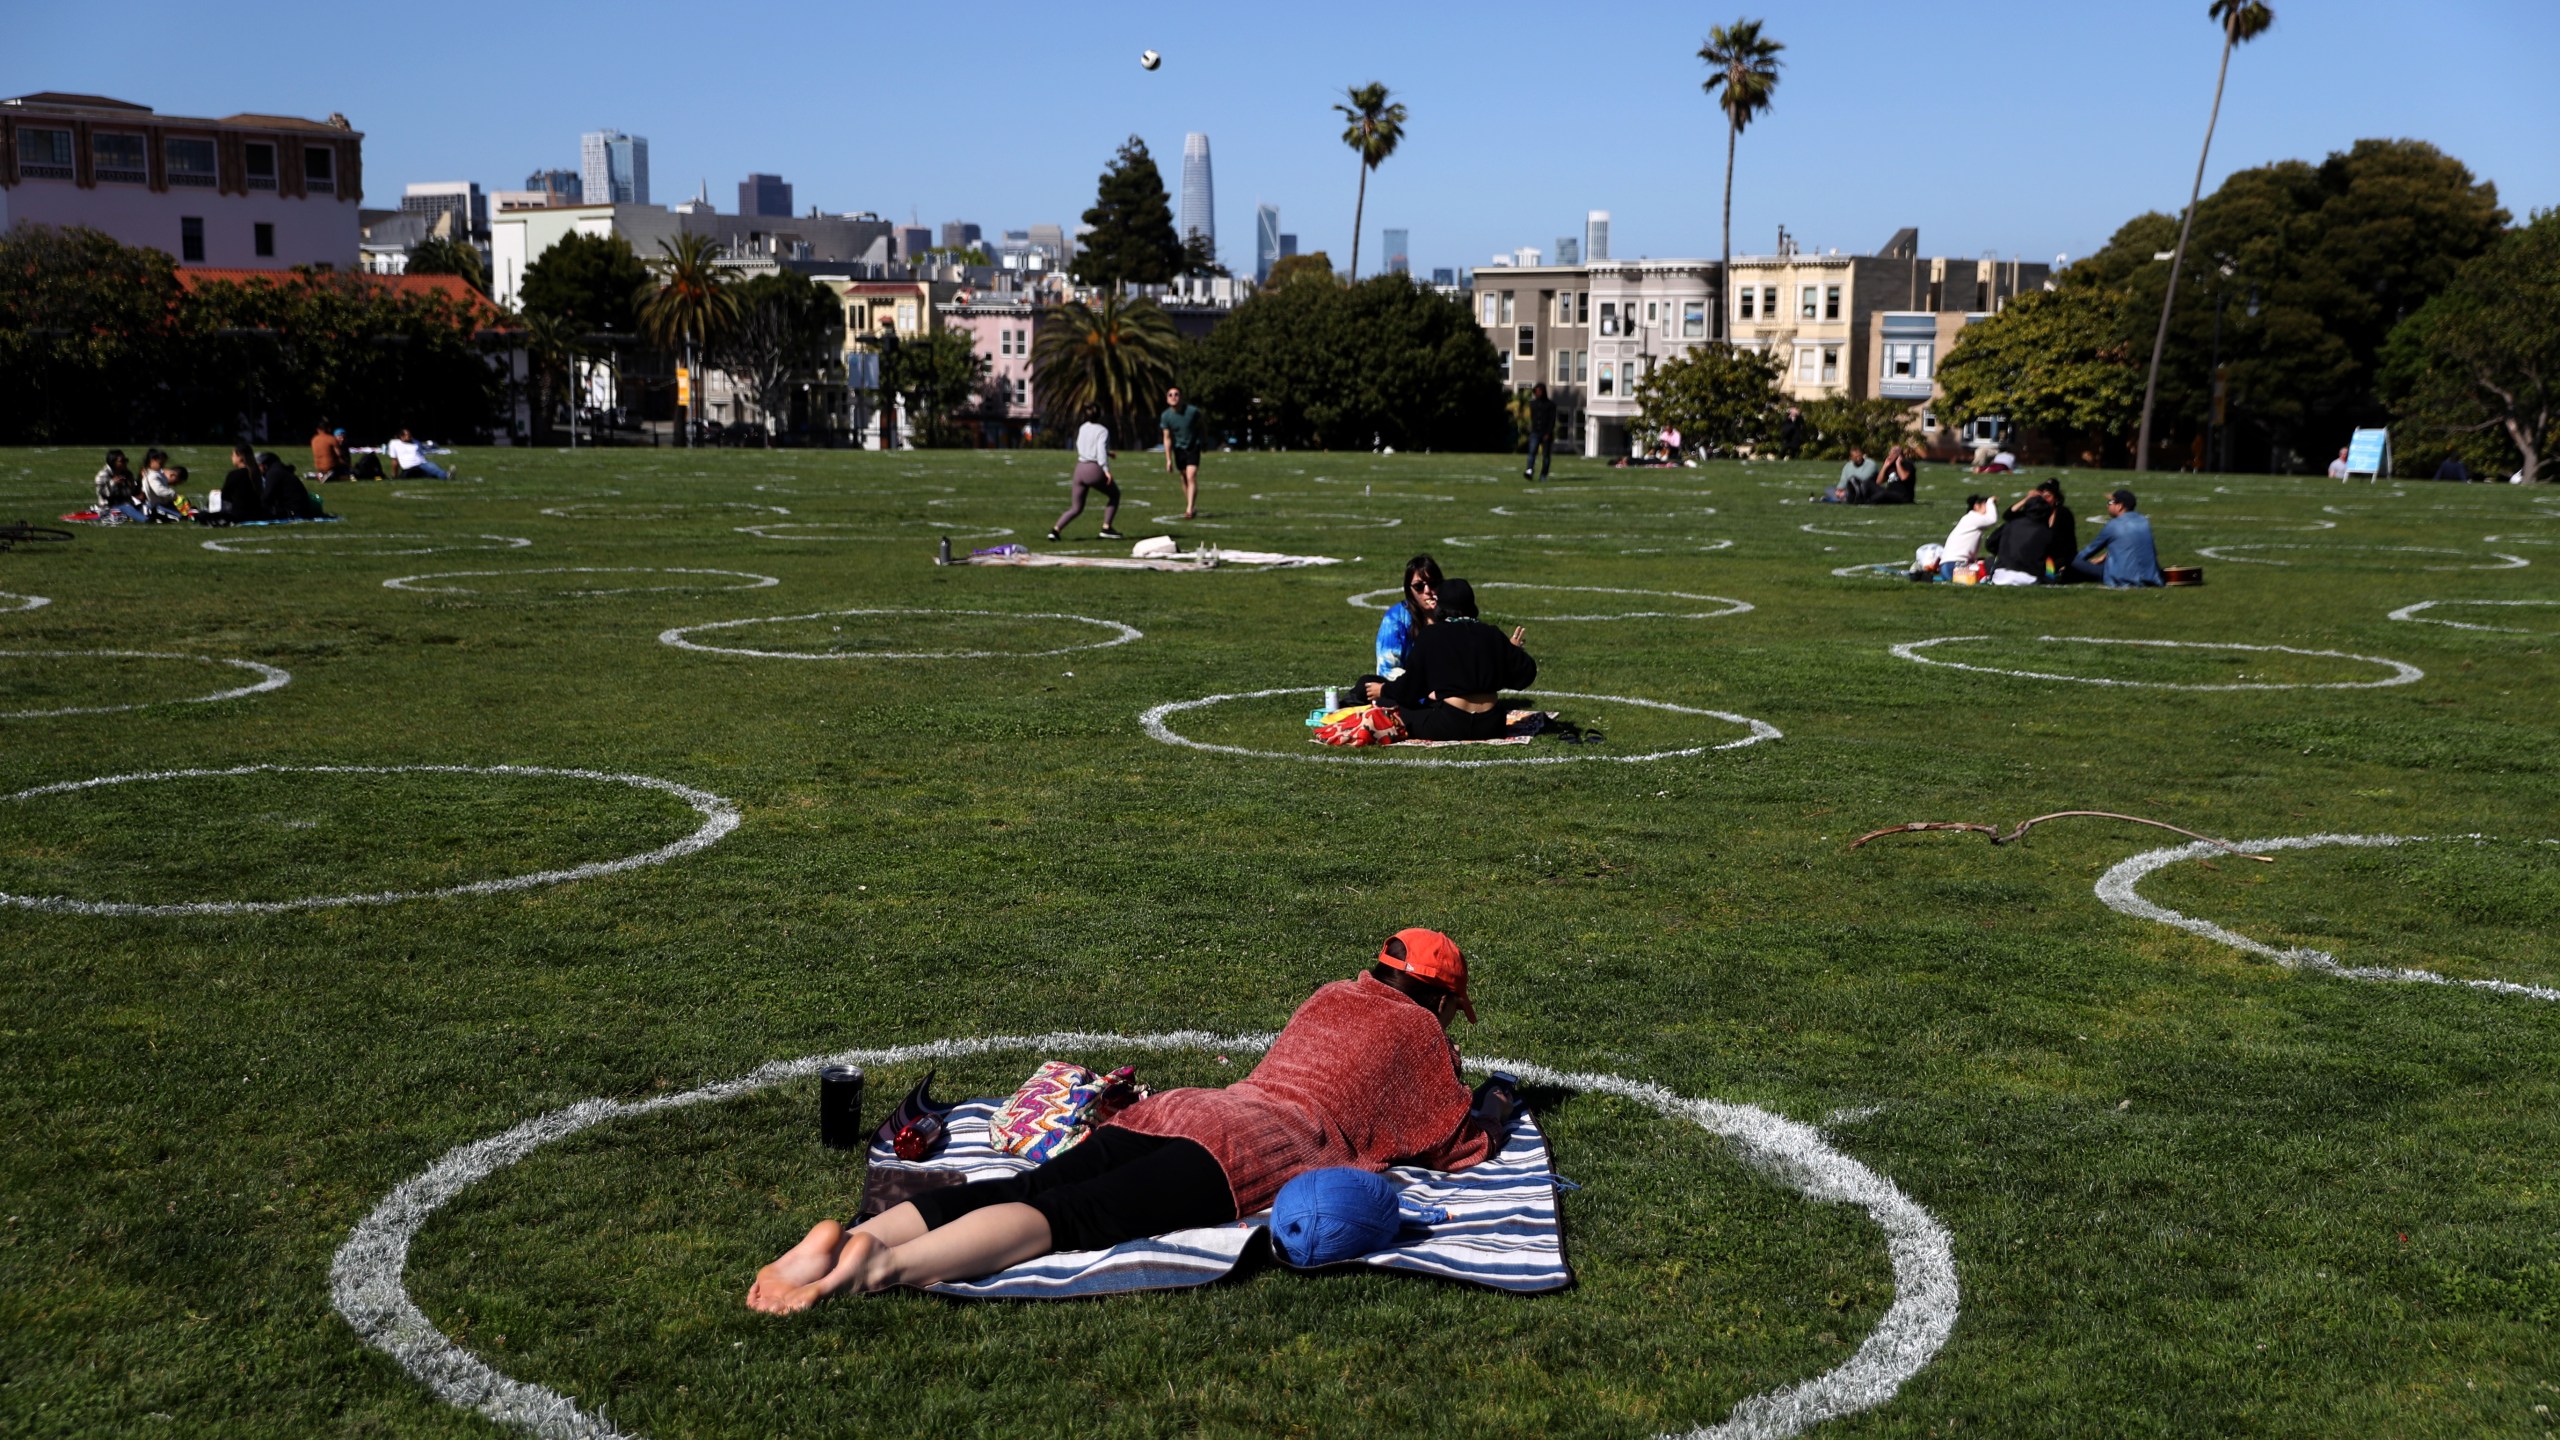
x=613 y=168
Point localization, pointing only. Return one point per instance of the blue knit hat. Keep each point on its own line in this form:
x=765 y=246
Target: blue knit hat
x=1325 y=1217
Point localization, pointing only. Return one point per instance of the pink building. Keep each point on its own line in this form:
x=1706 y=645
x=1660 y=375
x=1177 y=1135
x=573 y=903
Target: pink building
x=1000 y=328
x=261 y=192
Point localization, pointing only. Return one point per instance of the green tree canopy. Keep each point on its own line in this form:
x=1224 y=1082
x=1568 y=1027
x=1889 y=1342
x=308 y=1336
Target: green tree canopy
x=1289 y=270
x=592 y=281
x=1114 y=355
x=941 y=380
x=783 y=329
x=2477 y=369
x=1318 y=364
x=86 y=334
x=1132 y=241
x=2066 y=361
x=1717 y=396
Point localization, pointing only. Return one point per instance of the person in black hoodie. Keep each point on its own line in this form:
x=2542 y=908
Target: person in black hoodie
x=1898 y=483
x=244 y=494
x=1461 y=665
x=2064 y=541
x=2018 y=548
x=285 y=496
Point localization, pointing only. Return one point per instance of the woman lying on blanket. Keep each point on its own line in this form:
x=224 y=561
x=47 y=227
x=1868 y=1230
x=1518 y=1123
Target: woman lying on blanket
x=1364 y=1075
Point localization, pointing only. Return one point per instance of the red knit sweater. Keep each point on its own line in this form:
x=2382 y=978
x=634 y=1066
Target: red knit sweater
x=1361 y=1076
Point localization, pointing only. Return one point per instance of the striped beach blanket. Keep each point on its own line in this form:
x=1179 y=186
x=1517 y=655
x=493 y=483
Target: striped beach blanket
x=1503 y=1230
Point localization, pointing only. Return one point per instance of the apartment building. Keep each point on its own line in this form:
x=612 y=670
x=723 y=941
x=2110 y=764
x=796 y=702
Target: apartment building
x=1846 y=324
x=1592 y=333
x=1000 y=328
x=264 y=192
x=519 y=237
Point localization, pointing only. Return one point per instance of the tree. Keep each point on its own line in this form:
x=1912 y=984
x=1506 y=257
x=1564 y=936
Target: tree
x=287 y=349
x=1743 y=84
x=1200 y=257
x=2477 y=369
x=86 y=334
x=1115 y=355
x=1317 y=363
x=1132 y=240
x=1372 y=128
x=592 y=281
x=2061 y=361
x=784 y=327
x=941 y=378
x=1834 y=423
x=2241 y=21
x=1717 y=396
x=444 y=255
x=1315 y=266
x=553 y=346
x=688 y=305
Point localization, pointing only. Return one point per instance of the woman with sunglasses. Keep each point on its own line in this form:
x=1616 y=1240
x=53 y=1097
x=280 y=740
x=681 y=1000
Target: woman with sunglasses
x=1403 y=620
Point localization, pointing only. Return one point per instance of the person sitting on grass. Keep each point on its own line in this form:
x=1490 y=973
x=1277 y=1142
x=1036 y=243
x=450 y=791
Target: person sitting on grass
x=2125 y=542
x=161 y=482
x=2063 y=543
x=244 y=490
x=1857 y=481
x=119 y=492
x=1364 y=1075
x=2022 y=542
x=1403 y=620
x=1964 y=543
x=1093 y=472
x=281 y=491
x=1898 y=482
x=1461 y=665
x=411 y=457
x=328 y=454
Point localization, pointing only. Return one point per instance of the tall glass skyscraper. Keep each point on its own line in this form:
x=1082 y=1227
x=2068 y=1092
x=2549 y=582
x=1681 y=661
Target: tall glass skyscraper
x=1266 y=241
x=1595 y=237
x=1399 y=261
x=1199 y=197
x=613 y=168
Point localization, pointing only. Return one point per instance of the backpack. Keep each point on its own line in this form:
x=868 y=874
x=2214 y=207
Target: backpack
x=367 y=467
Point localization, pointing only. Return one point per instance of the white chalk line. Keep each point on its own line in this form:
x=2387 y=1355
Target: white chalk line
x=230 y=545
x=719 y=817
x=648 y=510
x=1875 y=569
x=2117 y=889
x=2220 y=552
x=407 y=582
x=1815 y=528
x=270 y=677
x=2403 y=673
x=368 y=1280
x=1602 y=511
x=2410 y=613
x=1153 y=722
x=1291 y=496
x=1732 y=607
x=25 y=602
x=1122 y=635
x=883 y=530
x=1496 y=542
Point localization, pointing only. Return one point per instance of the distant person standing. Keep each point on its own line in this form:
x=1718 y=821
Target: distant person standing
x=1542 y=434
x=1182 y=447
x=1791 y=434
x=1093 y=472
x=328 y=454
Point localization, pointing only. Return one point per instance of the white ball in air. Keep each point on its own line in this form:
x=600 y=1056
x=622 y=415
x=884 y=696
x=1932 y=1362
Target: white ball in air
x=1150 y=59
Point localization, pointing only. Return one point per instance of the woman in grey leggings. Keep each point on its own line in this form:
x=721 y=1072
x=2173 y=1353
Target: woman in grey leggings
x=1093 y=472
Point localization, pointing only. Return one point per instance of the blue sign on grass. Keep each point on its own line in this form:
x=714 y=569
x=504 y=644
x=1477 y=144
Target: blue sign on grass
x=2369 y=452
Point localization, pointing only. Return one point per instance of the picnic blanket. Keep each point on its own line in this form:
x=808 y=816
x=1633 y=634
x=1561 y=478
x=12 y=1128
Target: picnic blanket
x=1503 y=1230
x=1519 y=728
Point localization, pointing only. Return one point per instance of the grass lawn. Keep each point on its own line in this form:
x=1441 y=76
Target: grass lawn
x=2190 y=1190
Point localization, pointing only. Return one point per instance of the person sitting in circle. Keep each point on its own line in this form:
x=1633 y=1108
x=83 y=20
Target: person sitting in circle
x=410 y=457
x=2125 y=543
x=1461 y=665
x=1857 y=481
x=161 y=483
x=1964 y=543
x=244 y=490
x=119 y=492
x=1092 y=472
x=1403 y=620
x=1898 y=482
x=282 y=491
x=2023 y=540
x=1364 y=1075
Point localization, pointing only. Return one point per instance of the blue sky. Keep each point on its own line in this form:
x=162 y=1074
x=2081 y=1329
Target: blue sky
x=2028 y=129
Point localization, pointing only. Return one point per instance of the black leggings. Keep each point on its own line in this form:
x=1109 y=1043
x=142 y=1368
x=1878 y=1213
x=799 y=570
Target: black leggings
x=1448 y=722
x=1118 y=1185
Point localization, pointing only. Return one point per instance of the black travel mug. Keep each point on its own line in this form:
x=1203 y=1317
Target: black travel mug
x=840 y=1107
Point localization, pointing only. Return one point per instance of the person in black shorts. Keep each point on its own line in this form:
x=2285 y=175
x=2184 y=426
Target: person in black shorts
x=1182 y=447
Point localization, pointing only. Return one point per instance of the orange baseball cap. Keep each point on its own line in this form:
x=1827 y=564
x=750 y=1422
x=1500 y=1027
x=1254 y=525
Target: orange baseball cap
x=1430 y=955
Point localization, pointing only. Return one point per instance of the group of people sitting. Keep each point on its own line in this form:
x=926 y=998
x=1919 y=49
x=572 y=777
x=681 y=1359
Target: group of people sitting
x=125 y=498
x=331 y=460
x=1864 y=482
x=1440 y=670
x=2037 y=542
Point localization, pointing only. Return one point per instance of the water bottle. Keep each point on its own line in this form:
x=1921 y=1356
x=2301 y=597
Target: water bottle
x=944 y=557
x=1332 y=699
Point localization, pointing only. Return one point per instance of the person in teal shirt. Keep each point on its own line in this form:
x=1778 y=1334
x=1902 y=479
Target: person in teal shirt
x=1182 y=425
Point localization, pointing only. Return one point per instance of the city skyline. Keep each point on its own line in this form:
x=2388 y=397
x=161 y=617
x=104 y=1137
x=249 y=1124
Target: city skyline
x=1199 y=215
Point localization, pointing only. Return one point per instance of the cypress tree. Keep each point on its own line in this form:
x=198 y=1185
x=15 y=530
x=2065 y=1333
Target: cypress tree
x=1132 y=239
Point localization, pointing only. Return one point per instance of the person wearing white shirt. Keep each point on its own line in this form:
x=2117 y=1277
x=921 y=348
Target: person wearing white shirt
x=2338 y=467
x=1981 y=516
x=1093 y=472
x=411 y=458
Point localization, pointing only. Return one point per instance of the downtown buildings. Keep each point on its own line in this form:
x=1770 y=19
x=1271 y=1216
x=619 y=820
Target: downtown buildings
x=613 y=168
x=1199 y=215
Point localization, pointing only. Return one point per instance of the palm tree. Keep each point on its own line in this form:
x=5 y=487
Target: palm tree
x=2241 y=21
x=1745 y=80
x=1115 y=354
x=553 y=346
x=1373 y=130
x=686 y=304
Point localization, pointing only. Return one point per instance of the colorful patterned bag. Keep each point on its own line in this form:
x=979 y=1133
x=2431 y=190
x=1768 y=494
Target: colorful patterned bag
x=1361 y=725
x=1058 y=1107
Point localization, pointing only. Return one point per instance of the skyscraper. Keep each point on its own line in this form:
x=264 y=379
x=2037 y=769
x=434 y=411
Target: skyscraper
x=1595 y=236
x=561 y=186
x=961 y=235
x=1568 y=250
x=762 y=194
x=1288 y=246
x=459 y=198
x=1399 y=262
x=1266 y=241
x=613 y=168
x=1199 y=197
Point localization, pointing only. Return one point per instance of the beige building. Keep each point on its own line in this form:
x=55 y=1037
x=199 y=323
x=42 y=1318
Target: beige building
x=1826 y=316
x=1591 y=333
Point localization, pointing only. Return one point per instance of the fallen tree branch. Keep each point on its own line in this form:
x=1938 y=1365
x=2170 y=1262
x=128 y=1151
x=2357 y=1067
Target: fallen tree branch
x=2024 y=825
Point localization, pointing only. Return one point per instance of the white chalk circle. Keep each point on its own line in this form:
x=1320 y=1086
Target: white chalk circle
x=2117 y=889
x=868 y=530
x=2222 y=552
x=1120 y=635
x=1925 y=530
x=269 y=678
x=647 y=510
x=719 y=817
x=1153 y=722
x=1875 y=570
x=2410 y=613
x=368 y=1275
x=414 y=583
x=1286 y=496
x=12 y=604
x=2402 y=672
x=1371 y=601
x=1604 y=510
x=1588 y=544
x=360 y=544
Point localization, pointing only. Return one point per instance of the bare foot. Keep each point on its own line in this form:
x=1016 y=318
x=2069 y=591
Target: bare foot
x=796 y=1268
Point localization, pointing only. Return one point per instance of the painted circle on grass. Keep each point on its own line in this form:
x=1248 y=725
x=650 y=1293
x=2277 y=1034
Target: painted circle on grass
x=411 y=582
x=2410 y=613
x=1370 y=601
x=646 y=510
x=1495 y=542
x=1874 y=570
x=1286 y=496
x=2264 y=522
x=2222 y=552
x=677 y=636
x=2402 y=672
x=866 y=530
x=719 y=817
x=1153 y=722
x=362 y=544
x=2119 y=890
x=1604 y=510
x=368 y=1277
x=269 y=678
x=11 y=604
x=1816 y=527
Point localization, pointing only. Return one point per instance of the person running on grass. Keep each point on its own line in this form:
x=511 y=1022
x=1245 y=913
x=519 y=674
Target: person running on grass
x=1093 y=472
x=1182 y=447
x=1364 y=1075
